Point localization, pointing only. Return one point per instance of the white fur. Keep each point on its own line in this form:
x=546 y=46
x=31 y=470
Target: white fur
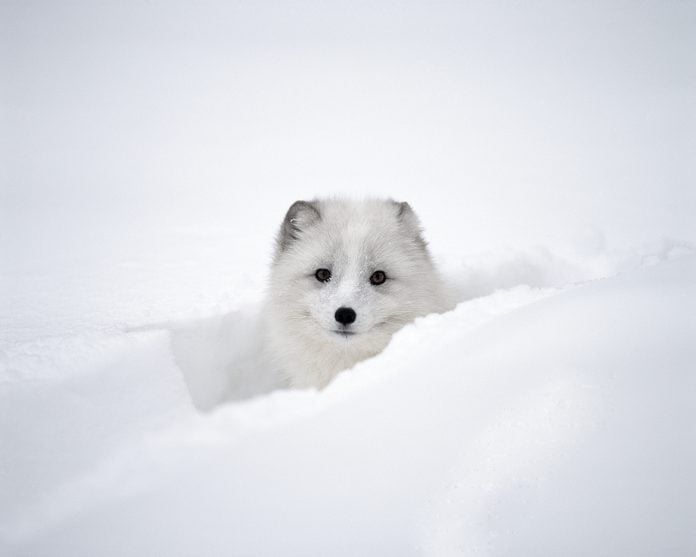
x=352 y=239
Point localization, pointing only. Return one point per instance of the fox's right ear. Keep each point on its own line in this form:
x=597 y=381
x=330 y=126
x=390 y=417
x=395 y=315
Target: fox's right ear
x=300 y=216
x=407 y=217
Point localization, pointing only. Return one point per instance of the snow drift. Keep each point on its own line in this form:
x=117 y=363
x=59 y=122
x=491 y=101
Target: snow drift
x=530 y=421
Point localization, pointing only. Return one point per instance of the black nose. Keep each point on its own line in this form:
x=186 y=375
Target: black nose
x=345 y=316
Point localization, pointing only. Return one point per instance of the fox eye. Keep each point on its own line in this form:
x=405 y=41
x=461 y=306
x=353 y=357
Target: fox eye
x=323 y=275
x=378 y=277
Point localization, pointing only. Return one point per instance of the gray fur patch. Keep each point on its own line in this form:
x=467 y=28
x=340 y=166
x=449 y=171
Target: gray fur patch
x=300 y=216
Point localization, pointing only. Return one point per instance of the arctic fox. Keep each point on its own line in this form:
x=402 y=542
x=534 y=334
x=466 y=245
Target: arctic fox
x=346 y=275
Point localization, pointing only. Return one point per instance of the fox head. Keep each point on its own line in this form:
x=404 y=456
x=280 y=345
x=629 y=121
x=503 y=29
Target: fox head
x=348 y=274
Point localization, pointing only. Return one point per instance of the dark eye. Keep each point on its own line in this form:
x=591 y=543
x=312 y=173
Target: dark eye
x=323 y=275
x=378 y=277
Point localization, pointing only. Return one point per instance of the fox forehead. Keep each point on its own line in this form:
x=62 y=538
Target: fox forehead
x=349 y=237
x=351 y=250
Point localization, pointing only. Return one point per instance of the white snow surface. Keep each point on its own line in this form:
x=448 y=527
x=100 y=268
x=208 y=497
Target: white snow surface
x=552 y=421
x=147 y=155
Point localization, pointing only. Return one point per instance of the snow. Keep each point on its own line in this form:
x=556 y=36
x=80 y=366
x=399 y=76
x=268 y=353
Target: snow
x=566 y=412
x=148 y=153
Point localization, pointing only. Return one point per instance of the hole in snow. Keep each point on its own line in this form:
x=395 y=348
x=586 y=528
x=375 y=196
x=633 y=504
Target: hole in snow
x=221 y=357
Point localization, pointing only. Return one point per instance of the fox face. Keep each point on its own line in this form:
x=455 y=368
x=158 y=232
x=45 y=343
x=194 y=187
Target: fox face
x=346 y=276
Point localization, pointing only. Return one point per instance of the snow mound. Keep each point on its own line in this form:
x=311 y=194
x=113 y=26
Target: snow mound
x=530 y=421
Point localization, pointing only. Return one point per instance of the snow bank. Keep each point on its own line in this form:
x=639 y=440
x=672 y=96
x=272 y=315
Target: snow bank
x=556 y=421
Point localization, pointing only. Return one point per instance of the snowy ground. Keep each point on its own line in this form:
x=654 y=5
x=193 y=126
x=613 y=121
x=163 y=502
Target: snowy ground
x=148 y=154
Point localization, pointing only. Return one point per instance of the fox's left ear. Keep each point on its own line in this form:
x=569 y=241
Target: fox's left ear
x=300 y=216
x=406 y=216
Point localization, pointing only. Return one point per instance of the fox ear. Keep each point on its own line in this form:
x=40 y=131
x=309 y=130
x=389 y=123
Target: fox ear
x=300 y=216
x=408 y=218
x=404 y=211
